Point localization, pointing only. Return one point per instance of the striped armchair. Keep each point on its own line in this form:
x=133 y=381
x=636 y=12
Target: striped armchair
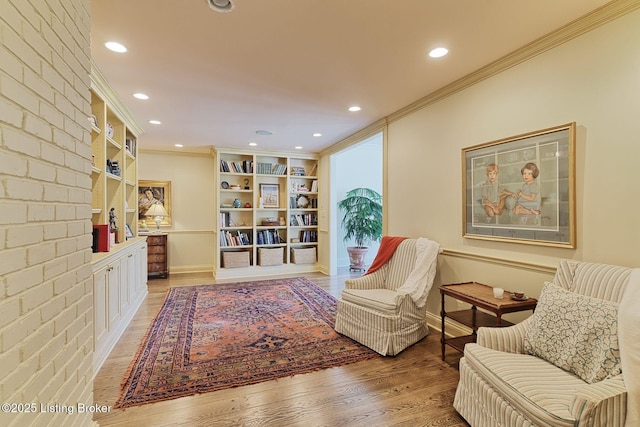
x=385 y=310
x=506 y=381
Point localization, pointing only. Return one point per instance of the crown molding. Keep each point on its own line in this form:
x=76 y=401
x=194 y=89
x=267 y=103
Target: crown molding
x=372 y=129
x=103 y=89
x=572 y=30
x=186 y=151
x=258 y=152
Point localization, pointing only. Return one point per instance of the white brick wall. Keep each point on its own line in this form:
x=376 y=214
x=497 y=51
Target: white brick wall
x=46 y=329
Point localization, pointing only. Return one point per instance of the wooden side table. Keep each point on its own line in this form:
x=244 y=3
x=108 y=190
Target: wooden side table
x=478 y=295
x=157 y=264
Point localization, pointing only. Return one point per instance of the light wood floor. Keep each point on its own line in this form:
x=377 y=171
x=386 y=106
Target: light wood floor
x=414 y=388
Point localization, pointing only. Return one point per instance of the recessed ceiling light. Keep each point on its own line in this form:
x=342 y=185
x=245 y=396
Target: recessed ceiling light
x=116 y=47
x=264 y=132
x=220 y=5
x=438 y=52
x=298 y=147
x=140 y=95
x=178 y=145
x=155 y=122
x=355 y=108
x=253 y=144
x=317 y=134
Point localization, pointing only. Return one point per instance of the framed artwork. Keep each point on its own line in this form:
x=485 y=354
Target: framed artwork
x=269 y=195
x=154 y=192
x=521 y=189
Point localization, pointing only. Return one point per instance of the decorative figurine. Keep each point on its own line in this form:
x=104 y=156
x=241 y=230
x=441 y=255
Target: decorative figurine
x=112 y=219
x=246 y=184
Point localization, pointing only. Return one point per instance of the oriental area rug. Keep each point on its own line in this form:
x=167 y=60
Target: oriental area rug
x=212 y=337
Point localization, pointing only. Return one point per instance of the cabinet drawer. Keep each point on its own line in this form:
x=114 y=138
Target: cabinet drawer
x=155 y=240
x=156 y=267
x=155 y=249
x=156 y=258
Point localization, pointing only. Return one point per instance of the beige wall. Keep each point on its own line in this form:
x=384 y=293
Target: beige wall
x=46 y=317
x=190 y=240
x=592 y=80
x=46 y=299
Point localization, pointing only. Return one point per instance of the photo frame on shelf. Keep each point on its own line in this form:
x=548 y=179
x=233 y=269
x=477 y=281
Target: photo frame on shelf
x=128 y=232
x=150 y=193
x=521 y=189
x=269 y=195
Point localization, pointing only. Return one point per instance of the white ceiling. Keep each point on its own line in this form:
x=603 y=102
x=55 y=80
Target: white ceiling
x=294 y=66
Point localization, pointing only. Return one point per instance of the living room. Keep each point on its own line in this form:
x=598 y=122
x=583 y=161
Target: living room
x=586 y=74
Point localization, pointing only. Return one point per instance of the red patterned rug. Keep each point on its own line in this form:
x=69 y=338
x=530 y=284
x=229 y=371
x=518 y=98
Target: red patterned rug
x=208 y=338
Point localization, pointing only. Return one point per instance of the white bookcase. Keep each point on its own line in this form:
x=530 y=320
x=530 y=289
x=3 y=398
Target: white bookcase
x=267 y=207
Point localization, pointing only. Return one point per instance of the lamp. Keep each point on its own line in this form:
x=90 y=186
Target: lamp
x=158 y=212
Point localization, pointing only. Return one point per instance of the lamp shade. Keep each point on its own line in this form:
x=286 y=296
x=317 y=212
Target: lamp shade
x=156 y=210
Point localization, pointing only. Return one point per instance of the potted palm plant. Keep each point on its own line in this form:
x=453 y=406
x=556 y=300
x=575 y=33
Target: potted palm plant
x=362 y=222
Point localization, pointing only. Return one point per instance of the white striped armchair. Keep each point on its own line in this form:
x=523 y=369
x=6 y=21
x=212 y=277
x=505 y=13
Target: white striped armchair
x=522 y=376
x=385 y=310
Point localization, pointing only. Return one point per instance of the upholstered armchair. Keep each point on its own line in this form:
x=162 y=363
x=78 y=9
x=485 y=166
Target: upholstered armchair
x=385 y=309
x=561 y=366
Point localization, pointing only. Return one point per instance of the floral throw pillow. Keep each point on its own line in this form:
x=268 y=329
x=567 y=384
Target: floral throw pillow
x=576 y=333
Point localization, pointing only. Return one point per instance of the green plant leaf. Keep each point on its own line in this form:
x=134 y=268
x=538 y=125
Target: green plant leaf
x=362 y=220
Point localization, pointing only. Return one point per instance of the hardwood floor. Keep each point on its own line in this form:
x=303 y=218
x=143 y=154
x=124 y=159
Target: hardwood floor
x=414 y=388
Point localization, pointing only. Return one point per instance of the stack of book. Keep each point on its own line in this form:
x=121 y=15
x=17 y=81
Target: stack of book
x=303 y=220
x=307 y=236
x=271 y=169
x=269 y=237
x=245 y=166
x=236 y=238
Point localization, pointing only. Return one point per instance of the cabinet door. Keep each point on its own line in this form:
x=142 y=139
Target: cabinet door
x=113 y=292
x=99 y=305
x=142 y=270
x=127 y=281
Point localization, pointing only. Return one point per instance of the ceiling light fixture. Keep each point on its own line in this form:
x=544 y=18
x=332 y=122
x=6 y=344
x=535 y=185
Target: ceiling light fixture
x=140 y=95
x=298 y=147
x=115 y=47
x=253 y=144
x=223 y=6
x=317 y=134
x=355 y=108
x=178 y=145
x=264 y=132
x=438 y=52
x=155 y=122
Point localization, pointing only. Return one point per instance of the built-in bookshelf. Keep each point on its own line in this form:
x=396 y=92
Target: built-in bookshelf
x=119 y=276
x=114 y=169
x=267 y=207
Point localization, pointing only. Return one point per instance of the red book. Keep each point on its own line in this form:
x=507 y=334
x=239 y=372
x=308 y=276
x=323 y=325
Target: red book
x=101 y=238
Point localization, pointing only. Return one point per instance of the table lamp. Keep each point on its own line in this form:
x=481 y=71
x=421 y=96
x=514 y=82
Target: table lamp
x=158 y=212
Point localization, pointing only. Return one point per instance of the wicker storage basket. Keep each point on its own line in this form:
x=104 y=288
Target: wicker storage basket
x=235 y=259
x=270 y=256
x=303 y=255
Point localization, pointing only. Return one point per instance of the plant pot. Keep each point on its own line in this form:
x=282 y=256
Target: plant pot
x=356 y=257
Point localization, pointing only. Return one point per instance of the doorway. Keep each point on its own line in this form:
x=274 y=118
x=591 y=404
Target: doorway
x=359 y=165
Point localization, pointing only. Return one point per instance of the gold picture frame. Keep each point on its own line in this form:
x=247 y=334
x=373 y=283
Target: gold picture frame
x=521 y=189
x=150 y=192
x=269 y=195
